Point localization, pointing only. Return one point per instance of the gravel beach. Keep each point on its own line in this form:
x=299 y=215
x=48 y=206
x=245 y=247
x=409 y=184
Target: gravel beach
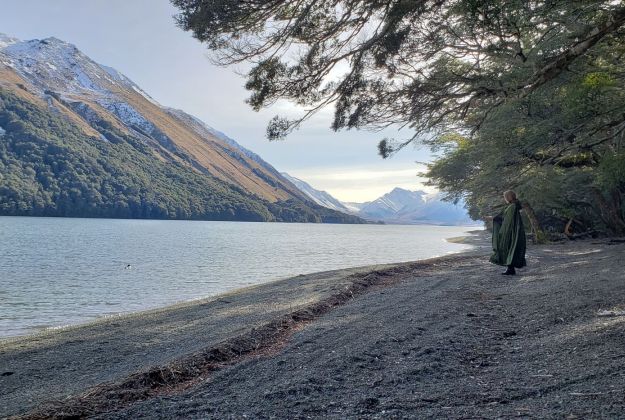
x=445 y=338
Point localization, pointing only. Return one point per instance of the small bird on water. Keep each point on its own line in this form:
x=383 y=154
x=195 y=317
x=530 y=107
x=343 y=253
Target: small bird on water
x=128 y=266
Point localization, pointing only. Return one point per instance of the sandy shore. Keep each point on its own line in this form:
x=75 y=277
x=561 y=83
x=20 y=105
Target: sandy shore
x=448 y=337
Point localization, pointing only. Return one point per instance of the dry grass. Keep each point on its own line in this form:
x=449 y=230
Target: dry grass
x=13 y=82
x=211 y=153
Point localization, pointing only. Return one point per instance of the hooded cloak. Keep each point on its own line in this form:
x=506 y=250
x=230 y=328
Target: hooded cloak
x=509 y=237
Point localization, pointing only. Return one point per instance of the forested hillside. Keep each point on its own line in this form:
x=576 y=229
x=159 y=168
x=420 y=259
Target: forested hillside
x=49 y=167
x=81 y=139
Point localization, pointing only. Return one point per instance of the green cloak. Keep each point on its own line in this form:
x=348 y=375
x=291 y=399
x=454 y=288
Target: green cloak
x=509 y=237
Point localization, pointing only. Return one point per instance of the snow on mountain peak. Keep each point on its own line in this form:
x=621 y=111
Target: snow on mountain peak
x=401 y=192
x=116 y=75
x=397 y=206
x=53 y=64
x=397 y=190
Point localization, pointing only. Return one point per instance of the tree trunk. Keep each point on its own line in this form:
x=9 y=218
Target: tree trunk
x=567 y=228
x=610 y=211
x=539 y=234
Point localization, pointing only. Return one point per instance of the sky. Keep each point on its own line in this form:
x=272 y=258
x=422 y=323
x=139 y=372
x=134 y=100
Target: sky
x=140 y=39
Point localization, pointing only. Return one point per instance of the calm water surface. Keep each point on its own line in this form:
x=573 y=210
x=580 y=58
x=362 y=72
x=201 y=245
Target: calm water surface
x=56 y=272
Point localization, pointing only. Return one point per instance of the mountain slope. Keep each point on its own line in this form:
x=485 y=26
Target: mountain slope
x=116 y=142
x=320 y=197
x=59 y=69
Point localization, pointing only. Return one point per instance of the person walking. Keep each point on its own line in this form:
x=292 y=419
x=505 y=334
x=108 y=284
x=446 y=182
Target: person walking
x=509 y=236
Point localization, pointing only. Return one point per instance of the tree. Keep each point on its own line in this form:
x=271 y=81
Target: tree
x=519 y=81
x=427 y=64
x=553 y=147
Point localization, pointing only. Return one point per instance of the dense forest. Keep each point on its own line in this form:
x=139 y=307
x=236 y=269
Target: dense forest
x=50 y=167
x=523 y=95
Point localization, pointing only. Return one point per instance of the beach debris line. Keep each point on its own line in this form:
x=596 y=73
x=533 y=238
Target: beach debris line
x=190 y=370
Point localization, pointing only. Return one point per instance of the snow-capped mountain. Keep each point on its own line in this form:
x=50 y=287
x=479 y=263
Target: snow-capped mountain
x=88 y=93
x=402 y=206
x=320 y=197
x=399 y=206
x=393 y=203
x=55 y=65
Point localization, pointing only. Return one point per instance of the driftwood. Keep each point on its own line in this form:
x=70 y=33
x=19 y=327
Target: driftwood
x=613 y=312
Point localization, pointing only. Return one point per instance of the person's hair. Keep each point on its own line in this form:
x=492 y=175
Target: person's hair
x=510 y=196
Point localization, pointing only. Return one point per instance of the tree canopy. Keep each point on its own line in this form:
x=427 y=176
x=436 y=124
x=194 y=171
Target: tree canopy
x=511 y=93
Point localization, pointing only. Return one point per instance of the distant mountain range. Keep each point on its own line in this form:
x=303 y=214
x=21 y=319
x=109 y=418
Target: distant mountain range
x=400 y=206
x=414 y=207
x=81 y=139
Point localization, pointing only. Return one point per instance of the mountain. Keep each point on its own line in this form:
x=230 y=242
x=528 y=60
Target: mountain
x=81 y=139
x=320 y=197
x=393 y=203
x=400 y=206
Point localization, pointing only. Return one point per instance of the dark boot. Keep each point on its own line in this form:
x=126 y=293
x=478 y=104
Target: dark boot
x=510 y=271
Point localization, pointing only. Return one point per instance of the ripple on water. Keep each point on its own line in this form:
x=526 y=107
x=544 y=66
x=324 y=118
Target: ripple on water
x=66 y=271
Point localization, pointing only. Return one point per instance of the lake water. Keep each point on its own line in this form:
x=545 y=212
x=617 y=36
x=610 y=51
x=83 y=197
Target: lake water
x=56 y=272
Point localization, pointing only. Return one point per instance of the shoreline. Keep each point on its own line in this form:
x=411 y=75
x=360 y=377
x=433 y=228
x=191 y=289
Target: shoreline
x=473 y=239
x=189 y=304
x=366 y=222
x=228 y=355
x=455 y=340
x=95 y=346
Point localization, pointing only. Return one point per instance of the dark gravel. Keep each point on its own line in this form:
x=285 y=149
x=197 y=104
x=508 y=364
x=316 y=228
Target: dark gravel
x=460 y=342
x=54 y=365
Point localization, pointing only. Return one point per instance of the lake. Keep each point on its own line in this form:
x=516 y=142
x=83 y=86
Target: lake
x=56 y=272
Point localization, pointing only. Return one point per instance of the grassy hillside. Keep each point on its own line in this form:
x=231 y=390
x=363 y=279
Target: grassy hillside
x=50 y=167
